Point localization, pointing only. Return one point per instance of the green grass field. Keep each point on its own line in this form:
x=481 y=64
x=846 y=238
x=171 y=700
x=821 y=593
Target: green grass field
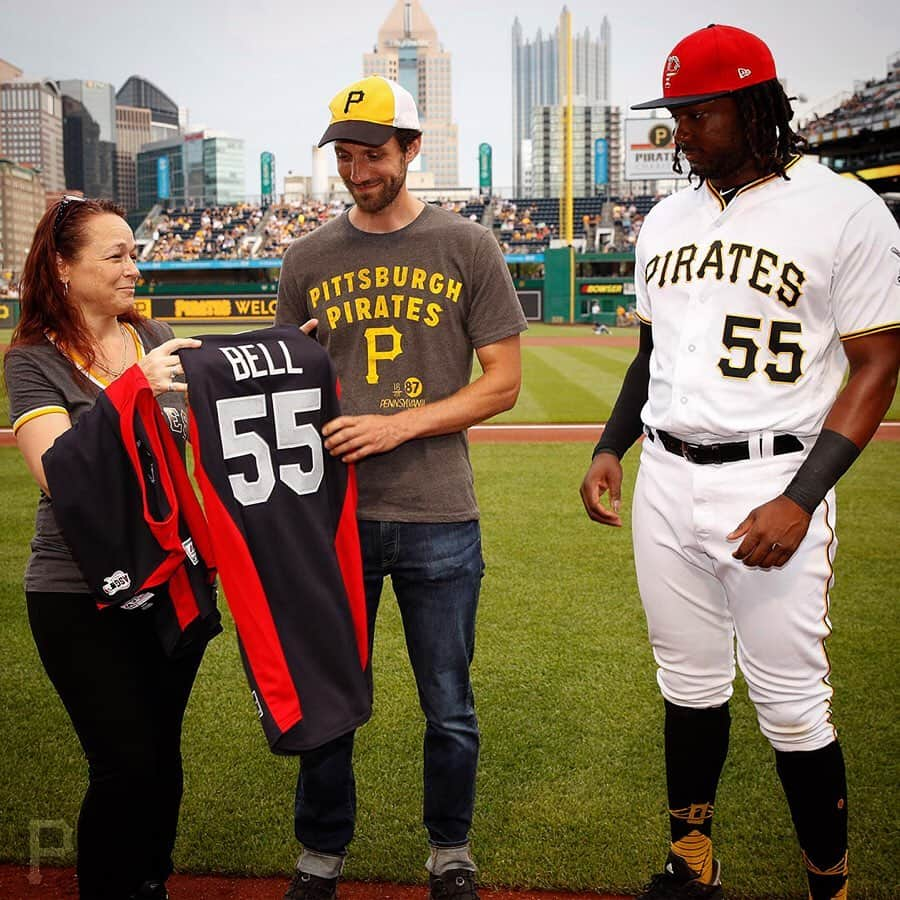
x=559 y=384
x=571 y=786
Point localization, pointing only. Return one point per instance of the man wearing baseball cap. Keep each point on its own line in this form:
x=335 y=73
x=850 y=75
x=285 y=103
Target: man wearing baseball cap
x=405 y=294
x=755 y=285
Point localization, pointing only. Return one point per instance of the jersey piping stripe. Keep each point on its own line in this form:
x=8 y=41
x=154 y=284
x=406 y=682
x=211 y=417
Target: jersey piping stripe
x=131 y=392
x=753 y=184
x=877 y=329
x=829 y=582
x=184 y=502
x=645 y=321
x=98 y=378
x=132 y=388
x=136 y=339
x=36 y=414
x=78 y=362
x=349 y=556
x=252 y=616
x=346 y=546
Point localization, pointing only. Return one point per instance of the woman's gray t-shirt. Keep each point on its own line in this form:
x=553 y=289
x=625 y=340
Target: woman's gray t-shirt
x=39 y=378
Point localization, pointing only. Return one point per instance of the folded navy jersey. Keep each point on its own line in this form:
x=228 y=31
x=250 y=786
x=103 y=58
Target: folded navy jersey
x=125 y=506
x=282 y=516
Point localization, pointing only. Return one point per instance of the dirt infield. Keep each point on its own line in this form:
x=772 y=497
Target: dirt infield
x=19 y=883
x=581 y=340
x=524 y=434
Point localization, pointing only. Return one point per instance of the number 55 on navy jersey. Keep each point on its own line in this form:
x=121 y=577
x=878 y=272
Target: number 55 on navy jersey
x=282 y=513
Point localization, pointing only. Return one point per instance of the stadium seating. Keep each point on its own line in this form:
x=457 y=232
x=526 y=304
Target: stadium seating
x=874 y=105
x=251 y=231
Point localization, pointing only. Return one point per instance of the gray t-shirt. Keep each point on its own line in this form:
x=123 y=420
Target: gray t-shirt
x=39 y=378
x=401 y=314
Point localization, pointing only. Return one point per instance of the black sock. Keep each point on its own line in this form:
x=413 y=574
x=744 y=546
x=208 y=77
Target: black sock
x=815 y=785
x=696 y=747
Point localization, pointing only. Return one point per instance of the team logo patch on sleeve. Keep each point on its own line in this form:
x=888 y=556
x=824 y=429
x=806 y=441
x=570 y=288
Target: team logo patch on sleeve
x=118 y=581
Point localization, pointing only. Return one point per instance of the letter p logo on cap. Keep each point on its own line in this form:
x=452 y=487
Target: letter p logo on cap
x=353 y=97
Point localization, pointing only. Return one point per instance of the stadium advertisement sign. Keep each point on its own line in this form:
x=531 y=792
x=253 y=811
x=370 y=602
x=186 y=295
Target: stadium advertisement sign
x=9 y=313
x=485 y=170
x=617 y=287
x=601 y=161
x=205 y=309
x=266 y=174
x=163 y=185
x=649 y=148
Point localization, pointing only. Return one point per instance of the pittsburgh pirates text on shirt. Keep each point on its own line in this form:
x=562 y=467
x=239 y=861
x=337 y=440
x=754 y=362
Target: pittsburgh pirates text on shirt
x=733 y=261
x=339 y=293
x=245 y=358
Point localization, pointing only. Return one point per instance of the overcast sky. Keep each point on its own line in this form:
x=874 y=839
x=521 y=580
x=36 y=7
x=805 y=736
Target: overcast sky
x=265 y=71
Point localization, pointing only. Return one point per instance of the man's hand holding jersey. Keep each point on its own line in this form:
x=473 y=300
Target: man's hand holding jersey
x=353 y=438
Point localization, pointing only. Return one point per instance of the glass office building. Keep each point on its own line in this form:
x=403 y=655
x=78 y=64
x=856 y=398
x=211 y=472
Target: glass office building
x=538 y=81
x=202 y=169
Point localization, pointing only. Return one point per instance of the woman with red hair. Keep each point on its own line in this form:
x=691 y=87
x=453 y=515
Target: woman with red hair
x=78 y=332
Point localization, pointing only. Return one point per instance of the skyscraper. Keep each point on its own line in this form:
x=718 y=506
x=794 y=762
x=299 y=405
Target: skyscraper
x=31 y=129
x=132 y=132
x=89 y=135
x=22 y=203
x=408 y=52
x=164 y=113
x=538 y=80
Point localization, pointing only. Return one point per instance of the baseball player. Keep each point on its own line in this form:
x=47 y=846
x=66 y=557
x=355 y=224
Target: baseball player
x=756 y=285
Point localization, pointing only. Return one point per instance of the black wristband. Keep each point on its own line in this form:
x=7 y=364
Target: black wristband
x=832 y=454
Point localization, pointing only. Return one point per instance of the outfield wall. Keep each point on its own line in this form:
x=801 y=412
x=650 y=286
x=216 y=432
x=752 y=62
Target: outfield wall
x=558 y=286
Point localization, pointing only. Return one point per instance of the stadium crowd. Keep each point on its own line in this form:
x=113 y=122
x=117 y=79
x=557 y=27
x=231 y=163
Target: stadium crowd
x=284 y=223
x=876 y=101
x=252 y=231
x=210 y=233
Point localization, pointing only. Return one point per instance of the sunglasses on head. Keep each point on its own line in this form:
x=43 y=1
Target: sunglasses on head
x=64 y=204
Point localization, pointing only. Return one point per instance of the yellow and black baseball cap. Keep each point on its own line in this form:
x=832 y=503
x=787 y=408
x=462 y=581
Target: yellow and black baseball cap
x=370 y=111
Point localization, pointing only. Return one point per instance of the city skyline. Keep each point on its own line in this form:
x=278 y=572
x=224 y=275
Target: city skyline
x=267 y=79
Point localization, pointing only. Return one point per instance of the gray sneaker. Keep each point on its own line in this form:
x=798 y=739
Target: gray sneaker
x=678 y=881
x=304 y=886
x=454 y=884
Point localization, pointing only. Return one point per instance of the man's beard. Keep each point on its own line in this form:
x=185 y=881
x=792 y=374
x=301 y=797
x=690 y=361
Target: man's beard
x=374 y=201
x=718 y=167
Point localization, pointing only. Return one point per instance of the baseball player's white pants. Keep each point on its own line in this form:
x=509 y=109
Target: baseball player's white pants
x=698 y=598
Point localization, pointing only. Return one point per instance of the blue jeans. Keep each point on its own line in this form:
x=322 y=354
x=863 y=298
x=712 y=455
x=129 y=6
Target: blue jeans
x=436 y=572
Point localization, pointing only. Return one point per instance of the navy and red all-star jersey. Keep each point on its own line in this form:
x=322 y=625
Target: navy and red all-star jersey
x=282 y=514
x=126 y=508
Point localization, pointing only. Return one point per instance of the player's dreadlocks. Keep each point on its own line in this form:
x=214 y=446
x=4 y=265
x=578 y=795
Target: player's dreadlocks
x=765 y=111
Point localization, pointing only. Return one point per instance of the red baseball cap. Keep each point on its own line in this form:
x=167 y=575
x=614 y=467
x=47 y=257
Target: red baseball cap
x=712 y=62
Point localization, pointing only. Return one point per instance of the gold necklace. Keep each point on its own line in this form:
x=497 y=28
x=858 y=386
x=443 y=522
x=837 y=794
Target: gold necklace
x=110 y=372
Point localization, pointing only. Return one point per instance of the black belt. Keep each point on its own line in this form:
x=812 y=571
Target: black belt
x=707 y=454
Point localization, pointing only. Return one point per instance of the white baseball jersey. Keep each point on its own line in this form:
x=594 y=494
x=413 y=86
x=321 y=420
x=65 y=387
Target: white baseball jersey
x=750 y=301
